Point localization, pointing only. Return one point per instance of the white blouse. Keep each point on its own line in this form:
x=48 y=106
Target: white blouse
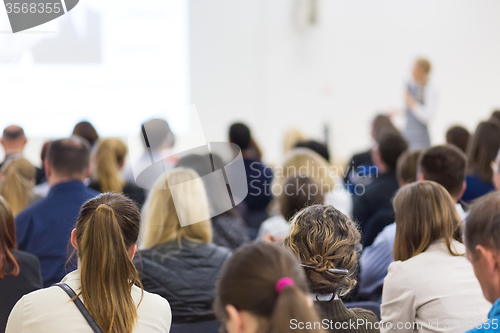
x=52 y=310
x=432 y=292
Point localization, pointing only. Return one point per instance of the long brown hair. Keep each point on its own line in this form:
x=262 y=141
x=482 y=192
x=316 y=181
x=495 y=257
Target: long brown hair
x=482 y=150
x=8 y=264
x=248 y=282
x=324 y=238
x=425 y=213
x=109 y=158
x=108 y=225
x=18 y=182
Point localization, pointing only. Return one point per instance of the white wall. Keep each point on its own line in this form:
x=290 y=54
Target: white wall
x=250 y=62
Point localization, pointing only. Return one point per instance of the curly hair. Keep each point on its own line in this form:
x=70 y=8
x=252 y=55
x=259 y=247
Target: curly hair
x=323 y=238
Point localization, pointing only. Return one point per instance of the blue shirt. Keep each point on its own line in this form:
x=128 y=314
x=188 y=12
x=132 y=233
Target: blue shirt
x=493 y=322
x=476 y=188
x=44 y=229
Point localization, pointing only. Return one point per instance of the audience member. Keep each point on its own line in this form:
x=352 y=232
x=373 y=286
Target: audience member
x=158 y=140
x=482 y=242
x=495 y=117
x=292 y=136
x=326 y=243
x=303 y=161
x=420 y=106
x=44 y=228
x=259 y=177
x=180 y=263
x=19 y=271
x=406 y=172
x=377 y=195
x=105 y=176
x=85 y=130
x=40 y=177
x=13 y=141
x=431 y=283
x=228 y=228
x=444 y=165
x=315 y=146
x=298 y=192
x=106 y=280
x=482 y=150
x=263 y=289
x=458 y=136
x=359 y=169
x=17 y=178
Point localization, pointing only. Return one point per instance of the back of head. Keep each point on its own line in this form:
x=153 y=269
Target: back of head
x=425 y=212
x=495 y=117
x=109 y=158
x=299 y=192
x=459 y=137
x=69 y=157
x=164 y=214
x=324 y=238
x=106 y=229
x=483 y=149
x=315 y=146
x=308 y=163
x=446 y=166
x=13 y=132
x=17 y=185
x=157 y=135
x=483 y=224
x=85 y=130
x=424 y=64
x=382 y=124
x=240 y=135
x=8 y=264
x=390 y=147
x=292 y=136
x=266 y=281
x=406 y=167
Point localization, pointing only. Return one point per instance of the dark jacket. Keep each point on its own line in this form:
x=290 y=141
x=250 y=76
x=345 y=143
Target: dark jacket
x=341 y=319
x=12 y=288
x=378 y=195
x=184 y=275
x=229 y=230
x=44 y=228
x=130 y=190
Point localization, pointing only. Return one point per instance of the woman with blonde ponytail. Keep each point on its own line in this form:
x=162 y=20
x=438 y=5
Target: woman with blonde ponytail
x=263 y=289
x=108 y=161
x=106 y=280
x=17 y=182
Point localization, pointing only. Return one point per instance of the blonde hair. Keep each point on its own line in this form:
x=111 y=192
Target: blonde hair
x=425 y=213
x=109 y=157
x=424 y=64
x=305 y=162
x=291 y=138
x=18 y=182
x=161 y=221
x=106 y=229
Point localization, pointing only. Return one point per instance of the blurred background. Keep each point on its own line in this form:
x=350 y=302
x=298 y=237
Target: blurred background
x=326 y=67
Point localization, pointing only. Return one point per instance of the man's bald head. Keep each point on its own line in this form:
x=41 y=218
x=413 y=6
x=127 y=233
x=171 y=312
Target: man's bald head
x=69 y=157
x=13 y=139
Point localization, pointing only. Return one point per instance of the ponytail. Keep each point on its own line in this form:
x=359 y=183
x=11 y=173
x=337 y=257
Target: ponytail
x=292 y=304
x=110 y=154
x=107 y=272
x=17 y=185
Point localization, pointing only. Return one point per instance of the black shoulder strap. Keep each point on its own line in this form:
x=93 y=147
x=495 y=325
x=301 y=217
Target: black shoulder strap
x=79 y=304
